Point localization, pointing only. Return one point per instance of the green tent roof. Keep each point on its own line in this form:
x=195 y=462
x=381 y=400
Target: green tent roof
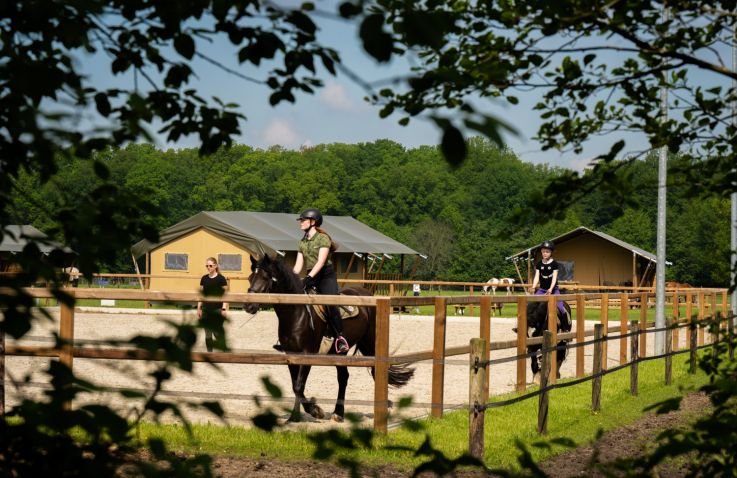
x=270 y=232
x=15 y=238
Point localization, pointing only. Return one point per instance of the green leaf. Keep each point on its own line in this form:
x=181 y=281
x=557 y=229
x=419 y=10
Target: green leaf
x=184 y=45
x=376 y=41
x=453 y=146
x=102 y=103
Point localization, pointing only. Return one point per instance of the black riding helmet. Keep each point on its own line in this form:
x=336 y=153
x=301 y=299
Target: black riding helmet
x=311 y=213
x=547 y=245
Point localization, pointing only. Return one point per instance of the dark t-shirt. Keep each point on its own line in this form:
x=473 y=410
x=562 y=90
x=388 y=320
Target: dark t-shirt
x=546 y=273
x=213 y=286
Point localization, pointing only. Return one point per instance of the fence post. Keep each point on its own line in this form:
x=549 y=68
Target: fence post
x=643 y=324
x=596 y=382
x=689 y=317
x=470 y=306
x=716 y=323
x=623 y=316
x=476 y=398
x=66 y=335
x=381 y=367
x=634 y=356
x=580 y=333
x=730 y=336
x=668 y=351
x=702 y=307
x=692 y=346
x=438 y=357
x=2 y=373
x=485 y=333
x=553 y=328
x=605 y=331
x=676 y=313
x=545 y=375
x=521 y=342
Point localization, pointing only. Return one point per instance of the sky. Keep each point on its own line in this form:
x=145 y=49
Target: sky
x=338 y=112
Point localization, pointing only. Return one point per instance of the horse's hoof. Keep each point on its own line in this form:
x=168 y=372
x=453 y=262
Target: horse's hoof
x=317 y=412
x=336 y=418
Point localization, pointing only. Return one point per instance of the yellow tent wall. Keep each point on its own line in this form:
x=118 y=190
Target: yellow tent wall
x=598 y=261
x=198 y=245
x=203 y=243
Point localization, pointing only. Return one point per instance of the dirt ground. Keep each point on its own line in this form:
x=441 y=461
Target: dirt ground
x=237 y=387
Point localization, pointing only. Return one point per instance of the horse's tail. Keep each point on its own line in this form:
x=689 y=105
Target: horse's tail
x=399 y=374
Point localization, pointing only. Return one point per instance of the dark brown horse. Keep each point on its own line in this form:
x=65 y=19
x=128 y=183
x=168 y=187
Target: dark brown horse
x=301 y=331
x=537 y=323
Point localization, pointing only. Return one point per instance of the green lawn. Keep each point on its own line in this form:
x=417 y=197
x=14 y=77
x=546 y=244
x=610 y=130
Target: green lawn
x=570 y=417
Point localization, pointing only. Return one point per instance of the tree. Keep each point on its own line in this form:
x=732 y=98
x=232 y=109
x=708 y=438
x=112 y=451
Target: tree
x=599 y=67
x=437 y=240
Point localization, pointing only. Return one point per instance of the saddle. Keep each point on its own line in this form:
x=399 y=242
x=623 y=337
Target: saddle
x=346 y=311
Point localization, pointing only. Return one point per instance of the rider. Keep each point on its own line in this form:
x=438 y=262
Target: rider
x=546 y=274
x=314 y=254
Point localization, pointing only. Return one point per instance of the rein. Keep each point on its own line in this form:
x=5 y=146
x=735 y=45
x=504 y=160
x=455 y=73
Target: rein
x=307 y=306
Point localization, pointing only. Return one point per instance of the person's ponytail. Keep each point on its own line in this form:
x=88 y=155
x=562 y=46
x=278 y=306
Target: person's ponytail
x=333 y=244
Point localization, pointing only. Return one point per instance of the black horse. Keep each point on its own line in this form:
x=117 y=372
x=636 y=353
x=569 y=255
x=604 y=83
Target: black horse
x=301 y=331
x=537 y=322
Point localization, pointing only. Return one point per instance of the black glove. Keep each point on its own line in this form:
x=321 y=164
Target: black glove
x=309 y=282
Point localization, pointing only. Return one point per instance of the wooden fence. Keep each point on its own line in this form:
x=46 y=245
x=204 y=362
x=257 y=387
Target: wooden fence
x=382 y=359
x=720 y=322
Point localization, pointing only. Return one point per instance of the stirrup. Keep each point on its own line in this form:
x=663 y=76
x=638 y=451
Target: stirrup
x=341 y=345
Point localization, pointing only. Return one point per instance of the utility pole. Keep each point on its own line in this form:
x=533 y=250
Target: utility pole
x=733 y=223
x=660 y=248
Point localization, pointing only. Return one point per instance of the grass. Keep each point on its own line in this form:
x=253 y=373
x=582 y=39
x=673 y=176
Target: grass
x=570 y=417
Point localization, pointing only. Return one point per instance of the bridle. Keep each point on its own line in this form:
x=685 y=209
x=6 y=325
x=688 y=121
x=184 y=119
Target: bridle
x=272 y=282
x=250 y=281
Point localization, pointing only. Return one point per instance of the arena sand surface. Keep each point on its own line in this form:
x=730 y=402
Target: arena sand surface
x=237 y=386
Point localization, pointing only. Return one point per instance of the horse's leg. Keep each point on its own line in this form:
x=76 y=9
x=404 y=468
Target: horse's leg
x=309 y=405
x=296 y=416
x=535 y=363
x=342 y=385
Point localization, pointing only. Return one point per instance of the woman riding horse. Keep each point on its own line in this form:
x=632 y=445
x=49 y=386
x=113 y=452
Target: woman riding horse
x=301 y=331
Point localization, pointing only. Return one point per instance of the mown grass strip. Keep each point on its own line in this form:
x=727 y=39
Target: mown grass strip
x=570 y=417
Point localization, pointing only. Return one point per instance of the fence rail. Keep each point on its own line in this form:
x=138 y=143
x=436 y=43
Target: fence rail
x=694 y=301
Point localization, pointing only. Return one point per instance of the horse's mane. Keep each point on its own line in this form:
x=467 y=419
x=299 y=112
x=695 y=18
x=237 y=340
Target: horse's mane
x=293 y=281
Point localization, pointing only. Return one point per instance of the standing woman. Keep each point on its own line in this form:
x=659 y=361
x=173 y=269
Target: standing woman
x=314 y=255
x=213 y=283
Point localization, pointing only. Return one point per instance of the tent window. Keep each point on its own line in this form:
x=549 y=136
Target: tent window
x=176 y=262
x=565 y=271
x=344 y=259
x=230 y=262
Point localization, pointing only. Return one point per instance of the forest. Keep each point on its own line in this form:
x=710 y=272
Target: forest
x=458 y=216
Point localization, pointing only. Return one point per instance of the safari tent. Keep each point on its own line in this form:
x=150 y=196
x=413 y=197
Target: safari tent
x=177 y=261
x=16 y=237
x=592 y=258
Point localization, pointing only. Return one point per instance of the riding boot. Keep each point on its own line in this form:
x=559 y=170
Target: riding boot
x=341 y=344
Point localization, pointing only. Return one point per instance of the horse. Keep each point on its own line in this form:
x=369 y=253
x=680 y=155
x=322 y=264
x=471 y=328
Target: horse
x=537 y=323
x=493 y=283
x=301 y=331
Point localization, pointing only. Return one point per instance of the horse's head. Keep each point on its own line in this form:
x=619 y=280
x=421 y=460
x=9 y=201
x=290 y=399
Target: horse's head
x=262 y=280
